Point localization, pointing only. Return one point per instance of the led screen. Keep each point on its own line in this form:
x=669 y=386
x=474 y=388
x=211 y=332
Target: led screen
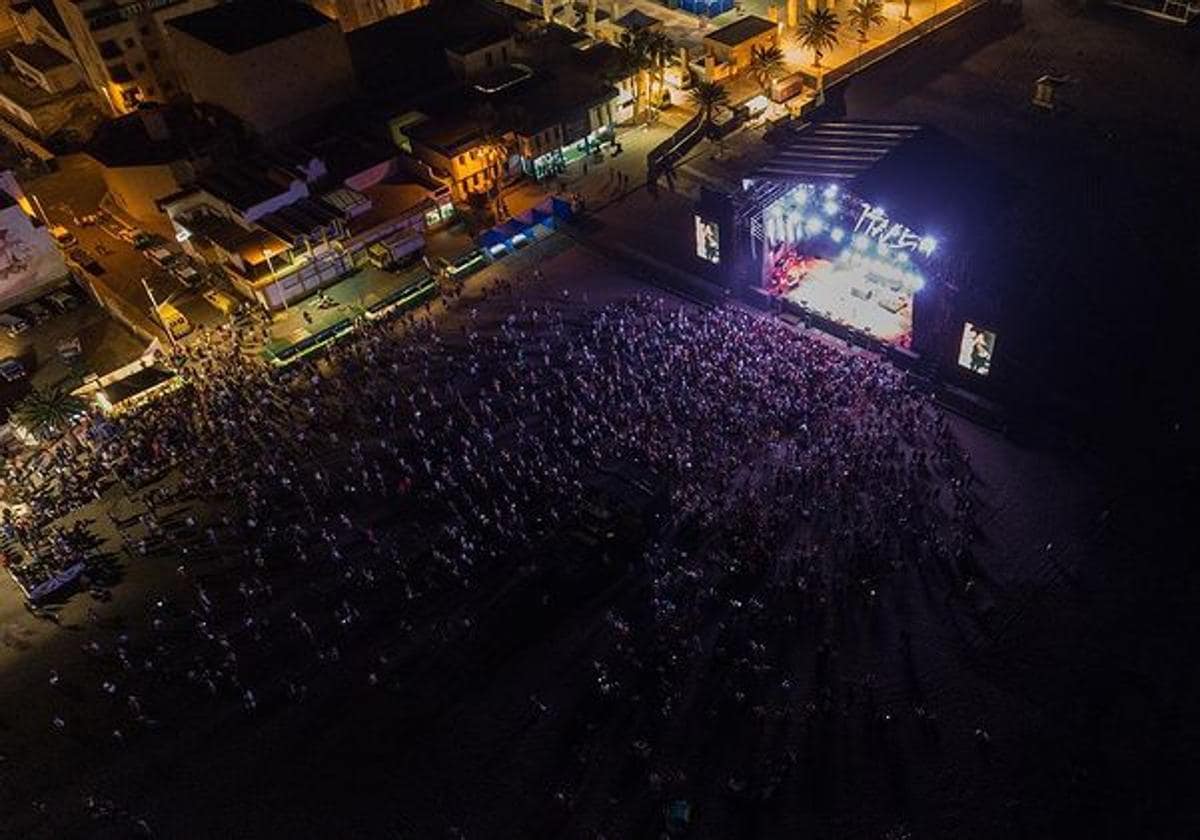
x=975 y=351
x=708 y=241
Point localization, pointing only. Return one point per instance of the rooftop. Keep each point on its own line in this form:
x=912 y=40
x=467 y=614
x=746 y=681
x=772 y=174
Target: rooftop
x=136 y=384
x=47 y=9
x=637 y=20
x=238 y=27
x=450 y=134
x=551 y=97
x=741 y=31
x=39 y=56
x=405 y=55
x=486 y=36
x=192 y=130
x=390 y=201
x=247 y=183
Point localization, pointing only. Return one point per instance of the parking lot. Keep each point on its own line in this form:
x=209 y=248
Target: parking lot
x=104 y=253
x=65 y=347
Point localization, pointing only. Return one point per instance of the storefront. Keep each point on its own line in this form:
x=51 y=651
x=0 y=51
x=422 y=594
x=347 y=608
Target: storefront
x=554 y=163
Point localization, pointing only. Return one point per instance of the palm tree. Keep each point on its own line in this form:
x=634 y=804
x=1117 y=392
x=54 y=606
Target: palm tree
x=817 y=30
x=863 y=15
x=765 y=64
x=50 y=411
x=707 y=96
x=637 y=59
x=659 y=48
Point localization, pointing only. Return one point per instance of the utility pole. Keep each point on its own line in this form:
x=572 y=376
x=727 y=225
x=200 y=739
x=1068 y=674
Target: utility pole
x=157 y=314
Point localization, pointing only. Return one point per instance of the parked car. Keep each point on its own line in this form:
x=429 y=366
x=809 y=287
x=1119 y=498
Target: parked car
x=35 y=312
x=13 y=324
x=11 y=370
x=186 y=273
x=160 y=255
x=86 y=262
x=142 y=240
x=116 y=231
x=63 y=237
x=62 y=300
x=70 y=348
x=226 y=304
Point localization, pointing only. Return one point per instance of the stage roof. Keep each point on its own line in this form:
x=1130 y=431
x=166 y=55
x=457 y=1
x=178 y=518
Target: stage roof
x=930 y=181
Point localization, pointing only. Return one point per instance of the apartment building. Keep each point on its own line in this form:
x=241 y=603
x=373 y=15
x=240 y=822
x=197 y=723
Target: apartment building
x=124 y=49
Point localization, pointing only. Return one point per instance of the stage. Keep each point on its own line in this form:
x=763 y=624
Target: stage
x=843 y=259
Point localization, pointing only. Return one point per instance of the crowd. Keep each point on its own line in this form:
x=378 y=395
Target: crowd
x=416 y=470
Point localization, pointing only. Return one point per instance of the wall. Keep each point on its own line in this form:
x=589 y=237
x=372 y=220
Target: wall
x=29 y=258
x=272 y=86
x=136 y=189
x=475 y=64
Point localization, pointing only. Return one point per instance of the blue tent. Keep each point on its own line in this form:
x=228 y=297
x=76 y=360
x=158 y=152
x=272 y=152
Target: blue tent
x=491 y=237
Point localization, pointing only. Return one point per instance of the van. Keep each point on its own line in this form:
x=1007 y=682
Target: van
x=225 y=304
x=173 y=320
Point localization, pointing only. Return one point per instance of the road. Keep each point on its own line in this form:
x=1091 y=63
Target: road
x=75 y=191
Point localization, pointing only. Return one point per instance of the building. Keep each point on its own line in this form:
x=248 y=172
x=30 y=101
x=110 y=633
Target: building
x=481 y=54
x=38 y=21
x=273 y=65
x=731 y=47
x=157 y=151
x=355 y=14
x=124 y=49
x=43 y=91
x=458 y=152
x=558 y=118
x=283 y=224
x=30 y=261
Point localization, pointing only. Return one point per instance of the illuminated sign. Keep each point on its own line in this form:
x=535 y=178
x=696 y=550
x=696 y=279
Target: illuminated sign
x=874 y=223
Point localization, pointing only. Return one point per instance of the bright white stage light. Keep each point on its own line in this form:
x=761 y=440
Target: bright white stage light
x=830 y=207
x=830 y=191
x=916 y=282
x=814 y=226
x=928 y=245
x=837 y=234
x=861 y=242
x=902 y=256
